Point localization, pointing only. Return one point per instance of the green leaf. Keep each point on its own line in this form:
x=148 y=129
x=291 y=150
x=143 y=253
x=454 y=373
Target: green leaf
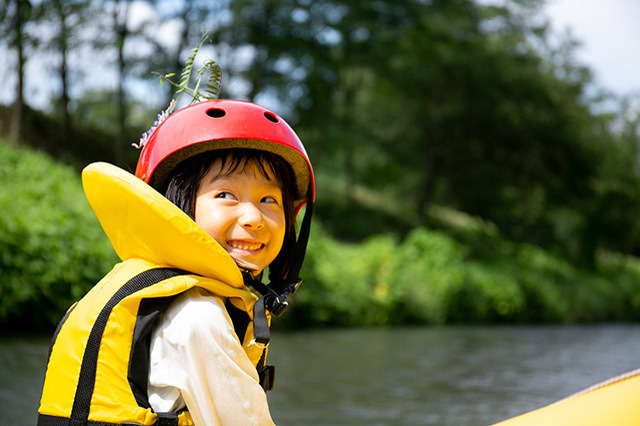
x=212 y=87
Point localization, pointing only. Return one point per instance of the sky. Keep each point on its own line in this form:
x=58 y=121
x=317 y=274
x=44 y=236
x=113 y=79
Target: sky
x=610 y=33
x=608 y=29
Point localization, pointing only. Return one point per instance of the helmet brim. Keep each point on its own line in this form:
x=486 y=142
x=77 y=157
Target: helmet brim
x=298 y=161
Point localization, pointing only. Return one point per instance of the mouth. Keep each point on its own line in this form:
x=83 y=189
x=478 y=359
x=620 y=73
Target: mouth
x=245 y=245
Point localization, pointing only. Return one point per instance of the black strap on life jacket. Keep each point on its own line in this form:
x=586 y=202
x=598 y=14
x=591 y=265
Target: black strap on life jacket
x=149 y=312
x=87 y=379
x=241 y=320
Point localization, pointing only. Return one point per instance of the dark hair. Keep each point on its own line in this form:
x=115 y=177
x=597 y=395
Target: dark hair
x=182 y=185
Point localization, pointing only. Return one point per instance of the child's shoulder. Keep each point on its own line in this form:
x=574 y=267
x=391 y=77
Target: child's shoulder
x=192 y=312
x=197 y=301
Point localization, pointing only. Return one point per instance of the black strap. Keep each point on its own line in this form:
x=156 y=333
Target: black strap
x=167 y=419
x=274 y=296
x=149 y=311
x=261 y=331
x=87 y=378
x=303 y=240
x=239 y=318
x=290 y=283
x=46 y=420
x=266 y=373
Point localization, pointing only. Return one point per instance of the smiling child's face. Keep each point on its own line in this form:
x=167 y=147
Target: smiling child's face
x=243 y=211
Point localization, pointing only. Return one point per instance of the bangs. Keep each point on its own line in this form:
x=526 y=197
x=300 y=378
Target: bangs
x=240 y=162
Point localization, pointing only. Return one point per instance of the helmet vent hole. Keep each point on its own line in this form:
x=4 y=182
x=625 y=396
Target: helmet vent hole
x=271 y=117
x=216 y=113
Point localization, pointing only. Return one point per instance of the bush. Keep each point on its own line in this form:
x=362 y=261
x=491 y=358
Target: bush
x=345 y=284
x=431 y=278
x=428 y=271
x=52 y=249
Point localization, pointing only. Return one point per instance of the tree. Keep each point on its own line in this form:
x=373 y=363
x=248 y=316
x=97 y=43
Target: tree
x=192 y=18
x=120 y=16
x=127 y=61
x=403 y=105
x=610 y=220
x=17 y=14
x=64 y=19
x=449 y=102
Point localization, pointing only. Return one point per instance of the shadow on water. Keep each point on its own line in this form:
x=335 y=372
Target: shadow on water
x=405 y=376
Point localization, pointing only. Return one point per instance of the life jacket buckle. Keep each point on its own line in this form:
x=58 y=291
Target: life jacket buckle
x=277 y=305
x=294 y=287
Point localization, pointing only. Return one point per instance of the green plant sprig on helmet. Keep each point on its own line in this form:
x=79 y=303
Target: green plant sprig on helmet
x=212 y=87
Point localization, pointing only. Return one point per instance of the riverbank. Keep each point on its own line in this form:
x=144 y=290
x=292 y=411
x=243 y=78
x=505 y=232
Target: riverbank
x=52 y=251
x=432 y=277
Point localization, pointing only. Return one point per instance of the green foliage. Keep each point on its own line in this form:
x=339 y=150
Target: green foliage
x=431 y=278
x=405 y=107
x=52 y=249
x=465 y=104
x=362 y=275
x=427 y=275
x=212 y=87
x=211 y=91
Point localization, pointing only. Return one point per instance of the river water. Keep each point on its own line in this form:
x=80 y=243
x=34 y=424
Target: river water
x=400 y=376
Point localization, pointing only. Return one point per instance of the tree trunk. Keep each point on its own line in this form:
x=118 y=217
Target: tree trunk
x=17 y=115
x=63 y=46
x=183 y=43
x=120 y=26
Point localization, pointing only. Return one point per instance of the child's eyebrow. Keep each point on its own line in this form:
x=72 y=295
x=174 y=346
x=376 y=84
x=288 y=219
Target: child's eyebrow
x=274 y=185
x=269 y=183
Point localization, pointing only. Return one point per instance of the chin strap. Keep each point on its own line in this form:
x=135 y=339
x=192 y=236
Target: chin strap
x=274 y=296
x=290 y=284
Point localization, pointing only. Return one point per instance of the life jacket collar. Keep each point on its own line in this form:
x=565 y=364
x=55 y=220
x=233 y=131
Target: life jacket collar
x=141 y=223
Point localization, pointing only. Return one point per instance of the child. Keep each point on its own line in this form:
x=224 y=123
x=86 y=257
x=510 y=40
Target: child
x=175 y=334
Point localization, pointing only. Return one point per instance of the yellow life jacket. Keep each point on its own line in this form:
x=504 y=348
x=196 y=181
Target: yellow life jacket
x=98 y=363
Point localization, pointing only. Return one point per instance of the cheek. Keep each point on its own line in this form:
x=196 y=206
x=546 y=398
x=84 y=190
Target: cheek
x=198 y=211
x=279 y=227
x=208 y=218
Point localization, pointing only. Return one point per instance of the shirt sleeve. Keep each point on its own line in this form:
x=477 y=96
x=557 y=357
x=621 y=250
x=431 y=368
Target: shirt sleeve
x=197 y=361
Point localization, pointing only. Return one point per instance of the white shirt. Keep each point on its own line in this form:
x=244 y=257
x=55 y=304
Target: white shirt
x=197 y=361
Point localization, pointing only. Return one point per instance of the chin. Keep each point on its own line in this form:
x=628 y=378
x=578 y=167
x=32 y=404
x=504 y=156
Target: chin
x=248 y=267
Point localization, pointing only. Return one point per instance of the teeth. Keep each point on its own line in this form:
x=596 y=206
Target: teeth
x=244 y=245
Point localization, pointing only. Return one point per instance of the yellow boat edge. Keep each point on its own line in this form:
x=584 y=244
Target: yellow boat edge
x=612 y=402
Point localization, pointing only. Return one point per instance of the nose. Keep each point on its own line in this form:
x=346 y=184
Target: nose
x=250 y=216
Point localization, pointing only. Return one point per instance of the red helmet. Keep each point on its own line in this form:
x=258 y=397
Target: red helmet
x=222 y=124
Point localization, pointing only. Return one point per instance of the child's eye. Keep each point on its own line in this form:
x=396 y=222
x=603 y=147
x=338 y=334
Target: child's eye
x=270 y=200
x=225 y=196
